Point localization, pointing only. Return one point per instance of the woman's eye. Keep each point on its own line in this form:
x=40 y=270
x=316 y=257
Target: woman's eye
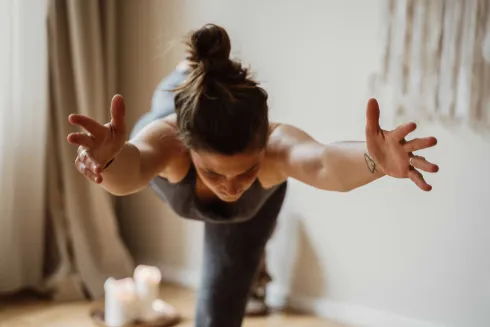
x=250 y=172
x=211 y=174
x=246 y=175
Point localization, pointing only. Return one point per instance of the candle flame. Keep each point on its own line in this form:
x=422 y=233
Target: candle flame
x=150 y=273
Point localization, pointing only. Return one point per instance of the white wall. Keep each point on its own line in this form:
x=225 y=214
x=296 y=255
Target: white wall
x=368 y=257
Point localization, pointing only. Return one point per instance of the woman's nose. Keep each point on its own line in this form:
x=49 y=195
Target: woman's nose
x=231 y=188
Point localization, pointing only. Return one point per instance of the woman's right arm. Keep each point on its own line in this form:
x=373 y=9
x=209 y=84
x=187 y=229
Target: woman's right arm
x=132 y=164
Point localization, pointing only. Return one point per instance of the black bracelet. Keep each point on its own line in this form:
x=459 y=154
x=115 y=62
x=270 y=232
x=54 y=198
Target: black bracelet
x=109 y=163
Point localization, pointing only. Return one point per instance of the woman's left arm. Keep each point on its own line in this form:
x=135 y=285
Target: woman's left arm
x=344 y=166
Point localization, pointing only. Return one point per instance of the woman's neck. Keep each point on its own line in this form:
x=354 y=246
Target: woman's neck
x=204 y=193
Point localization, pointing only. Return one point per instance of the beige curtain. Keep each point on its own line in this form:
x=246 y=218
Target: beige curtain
x=82 y=60
x=436 y=60
x=58 y=231
x=23 y=118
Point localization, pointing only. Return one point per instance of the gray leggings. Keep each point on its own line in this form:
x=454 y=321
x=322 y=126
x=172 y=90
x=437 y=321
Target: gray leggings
x=232 y=254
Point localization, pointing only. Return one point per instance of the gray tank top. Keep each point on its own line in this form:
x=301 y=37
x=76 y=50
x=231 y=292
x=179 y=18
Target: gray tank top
x=181 y=197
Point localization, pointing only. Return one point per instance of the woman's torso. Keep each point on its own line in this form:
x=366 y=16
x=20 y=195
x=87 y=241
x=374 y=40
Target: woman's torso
x=179 y=184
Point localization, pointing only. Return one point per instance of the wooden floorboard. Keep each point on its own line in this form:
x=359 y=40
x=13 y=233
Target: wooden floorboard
x=27 y=312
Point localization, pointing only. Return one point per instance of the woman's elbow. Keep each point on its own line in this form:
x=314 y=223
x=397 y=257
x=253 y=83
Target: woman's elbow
x=121 y=191
x=330 y=182
x=345 y=189
x=336 y=184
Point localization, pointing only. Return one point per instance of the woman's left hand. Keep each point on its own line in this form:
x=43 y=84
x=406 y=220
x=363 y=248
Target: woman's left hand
x=393 y=154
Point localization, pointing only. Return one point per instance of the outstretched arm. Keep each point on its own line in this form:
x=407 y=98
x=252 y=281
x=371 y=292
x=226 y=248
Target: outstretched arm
x=121 y=167
x=339 y=166
x=344 y=166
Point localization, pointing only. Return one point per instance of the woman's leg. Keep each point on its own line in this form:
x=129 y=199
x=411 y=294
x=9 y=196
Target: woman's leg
x=162 y=102
x=232 y=254
x=256 y=305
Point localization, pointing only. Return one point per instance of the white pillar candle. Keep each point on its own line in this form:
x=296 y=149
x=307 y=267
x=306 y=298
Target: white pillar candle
x=120 y=302
x=147 y=281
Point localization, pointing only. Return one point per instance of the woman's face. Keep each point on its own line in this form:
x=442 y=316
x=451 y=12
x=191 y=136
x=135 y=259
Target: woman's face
x=228 y=176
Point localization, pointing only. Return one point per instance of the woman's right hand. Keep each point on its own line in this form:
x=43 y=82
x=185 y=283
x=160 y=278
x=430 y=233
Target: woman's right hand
x=99 y=144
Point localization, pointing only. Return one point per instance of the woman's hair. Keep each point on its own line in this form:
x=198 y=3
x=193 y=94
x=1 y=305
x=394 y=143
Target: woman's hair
x=219 y=107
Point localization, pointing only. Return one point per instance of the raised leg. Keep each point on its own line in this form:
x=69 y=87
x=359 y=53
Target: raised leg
x=256 y=305
x=232 y=254
x=162 y=103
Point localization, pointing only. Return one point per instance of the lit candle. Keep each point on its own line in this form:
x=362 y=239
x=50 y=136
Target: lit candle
x=147 y=281
x=120 y=302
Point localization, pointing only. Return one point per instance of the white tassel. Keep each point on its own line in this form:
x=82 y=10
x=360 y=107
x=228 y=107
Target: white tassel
x=436 y=59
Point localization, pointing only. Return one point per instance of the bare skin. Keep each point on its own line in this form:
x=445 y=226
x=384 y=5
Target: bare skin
x=290 y=153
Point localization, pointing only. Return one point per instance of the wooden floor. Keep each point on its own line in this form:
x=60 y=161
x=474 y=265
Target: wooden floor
x=30 y=313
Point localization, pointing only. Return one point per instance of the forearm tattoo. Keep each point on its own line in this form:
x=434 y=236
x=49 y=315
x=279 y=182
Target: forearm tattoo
x=370 y=163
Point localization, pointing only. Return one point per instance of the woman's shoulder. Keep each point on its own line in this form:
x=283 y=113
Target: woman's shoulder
x=270 y=173
x=163 y=136
x=278 y=138
x=170 y=122
x=162 y=131
x=180 y=161
x=283 y=139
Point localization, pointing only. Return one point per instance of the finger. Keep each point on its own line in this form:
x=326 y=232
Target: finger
x=372 y=116
x=85 y=171
x=90 y=125
x=422 y=164
x=118 y=113
x=419 y=144
x=81 y=139
x=418 y=179
x=86 y=158
x=403 y=130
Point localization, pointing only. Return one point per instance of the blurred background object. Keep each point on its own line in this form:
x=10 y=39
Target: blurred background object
x=436 y=62
x=60 y=232
x=23 y=128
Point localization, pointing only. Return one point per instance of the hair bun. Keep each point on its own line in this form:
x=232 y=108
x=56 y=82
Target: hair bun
x=210 y=47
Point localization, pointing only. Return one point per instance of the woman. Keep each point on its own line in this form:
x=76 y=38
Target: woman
x=214 y=156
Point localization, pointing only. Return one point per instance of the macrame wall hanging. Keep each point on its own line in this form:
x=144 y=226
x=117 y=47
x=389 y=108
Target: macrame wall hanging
x=436 y=60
